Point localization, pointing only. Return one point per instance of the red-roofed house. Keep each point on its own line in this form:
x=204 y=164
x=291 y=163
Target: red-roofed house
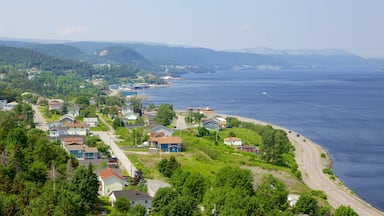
x=110 y=181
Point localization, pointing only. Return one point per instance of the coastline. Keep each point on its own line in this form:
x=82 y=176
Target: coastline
x=311 y=165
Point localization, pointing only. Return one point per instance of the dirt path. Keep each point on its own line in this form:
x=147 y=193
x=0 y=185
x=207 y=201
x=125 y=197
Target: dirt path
x=38 y=118
x=308 y=158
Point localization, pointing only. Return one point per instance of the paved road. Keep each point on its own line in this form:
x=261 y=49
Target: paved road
x=310 y=164
x=40 y=122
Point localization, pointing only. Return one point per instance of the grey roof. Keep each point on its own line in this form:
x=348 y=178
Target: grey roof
x=131 y=195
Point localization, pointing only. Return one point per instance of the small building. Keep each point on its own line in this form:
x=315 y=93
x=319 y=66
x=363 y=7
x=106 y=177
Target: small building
x=91 y=122
x=3 y=104
x=167 y=144
x=57 y=130
x=81 y=151
x=67 y=119
x=77 y=129
x=211 y=124
x=161 y=129
x=55 y=104
x=233 y=141
x=10 y=106
x=136 y=197
x=109 y=182
x=250 y=149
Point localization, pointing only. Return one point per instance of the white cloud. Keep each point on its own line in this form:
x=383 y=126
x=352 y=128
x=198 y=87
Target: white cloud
x=245 y=27
x=70 y=30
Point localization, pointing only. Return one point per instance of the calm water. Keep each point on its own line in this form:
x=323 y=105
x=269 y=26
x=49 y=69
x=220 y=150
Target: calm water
x=342 y=111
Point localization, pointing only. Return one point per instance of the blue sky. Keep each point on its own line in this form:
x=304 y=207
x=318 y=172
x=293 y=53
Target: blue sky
x=353 y=25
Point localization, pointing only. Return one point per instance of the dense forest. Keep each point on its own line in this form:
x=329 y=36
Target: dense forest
x=37 y=177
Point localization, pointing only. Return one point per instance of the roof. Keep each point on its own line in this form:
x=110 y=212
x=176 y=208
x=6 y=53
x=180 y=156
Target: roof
x=70 y=116
x=131 y=195
x=157 y=134
x=79 y=139
x=104 y=174
x=76 y=125
x=161 y=127
x=74 y=147
x=91 y=149
x=167 y=140
x=232 y=139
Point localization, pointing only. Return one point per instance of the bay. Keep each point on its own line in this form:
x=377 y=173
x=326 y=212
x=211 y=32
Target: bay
x=341 y=110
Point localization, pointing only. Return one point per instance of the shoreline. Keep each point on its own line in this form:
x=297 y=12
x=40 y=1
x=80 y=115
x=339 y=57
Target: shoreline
x=310 y=164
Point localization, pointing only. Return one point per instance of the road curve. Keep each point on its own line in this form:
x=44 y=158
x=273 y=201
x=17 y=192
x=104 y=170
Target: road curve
x=308 y=158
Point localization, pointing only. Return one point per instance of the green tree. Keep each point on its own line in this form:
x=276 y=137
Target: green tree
x=84 y=183
x=138 y=210
x=202 y=131
x=162 y=199
x=117 y=123
x=345 y=211
x=183 y=205
x=306 y=205
x=122 y=205
x=164 y=115
x=272 y=194
x=234 y=177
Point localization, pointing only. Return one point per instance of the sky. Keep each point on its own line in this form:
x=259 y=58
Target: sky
x=354 y=25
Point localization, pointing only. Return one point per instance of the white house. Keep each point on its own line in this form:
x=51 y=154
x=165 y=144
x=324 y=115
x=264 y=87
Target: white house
x=91 y=122
x=77 y=129
x=136 y=197
x=109 y=182
x=233 y=141
x=57 y=129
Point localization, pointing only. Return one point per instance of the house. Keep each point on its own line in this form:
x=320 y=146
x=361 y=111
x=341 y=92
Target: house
x=77 y=129
x=208 y=112
x=211 y=124
x=159 y=128
x=91 y=153
x=167 y=144
x=75 y=145
x=91 y=122
x=233 y=141
x=250 y=149
x=3 y=103
x=136 y=197
x=10 y=106
x=55 y=104
x=109 y=182
x=56 y=130
x=67 y=119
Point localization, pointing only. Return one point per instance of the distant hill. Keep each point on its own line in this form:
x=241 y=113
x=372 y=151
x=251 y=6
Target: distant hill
x=120 y=55
x=27 y=58
x=156 y=57
x=59 y=50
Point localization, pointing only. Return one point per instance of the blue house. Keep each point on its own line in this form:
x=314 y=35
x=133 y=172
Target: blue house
x=167 y=144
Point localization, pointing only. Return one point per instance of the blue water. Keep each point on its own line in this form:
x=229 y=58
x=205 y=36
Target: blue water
x=343 y=111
